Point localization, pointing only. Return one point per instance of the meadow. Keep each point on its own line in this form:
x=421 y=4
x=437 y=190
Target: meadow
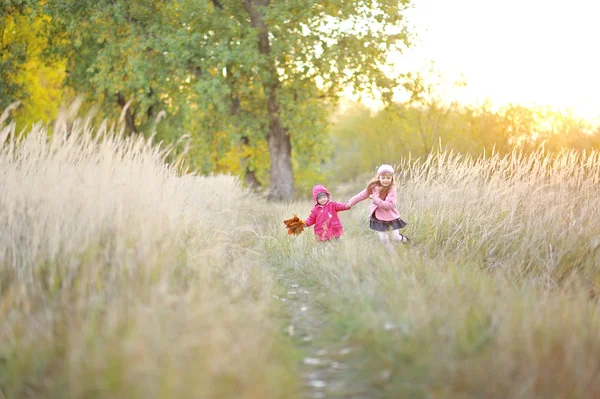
x=124 y=276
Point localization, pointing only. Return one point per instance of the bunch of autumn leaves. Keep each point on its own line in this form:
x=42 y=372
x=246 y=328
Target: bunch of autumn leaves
x=294 y=225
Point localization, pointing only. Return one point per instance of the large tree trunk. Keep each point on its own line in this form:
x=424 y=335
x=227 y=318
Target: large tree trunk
x=280 y=152
x=280 y=147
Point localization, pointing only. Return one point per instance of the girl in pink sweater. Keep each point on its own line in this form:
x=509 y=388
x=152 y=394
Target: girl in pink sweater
x=383 y=213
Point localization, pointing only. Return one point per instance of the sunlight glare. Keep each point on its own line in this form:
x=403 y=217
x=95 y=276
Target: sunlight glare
x=529 y=52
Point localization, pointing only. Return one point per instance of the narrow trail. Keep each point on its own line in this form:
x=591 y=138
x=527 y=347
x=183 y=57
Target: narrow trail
x=326 y=367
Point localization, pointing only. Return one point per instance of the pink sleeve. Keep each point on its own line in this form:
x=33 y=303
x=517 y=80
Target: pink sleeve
x=389 y=202
x=340 y=207
x=363 y=195
x=311 y=219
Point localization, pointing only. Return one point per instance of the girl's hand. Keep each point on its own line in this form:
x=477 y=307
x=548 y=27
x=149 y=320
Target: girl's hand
x=375 y=193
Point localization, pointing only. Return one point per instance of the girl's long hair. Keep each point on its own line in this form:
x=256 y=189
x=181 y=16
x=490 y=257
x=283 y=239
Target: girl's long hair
x=384 y=190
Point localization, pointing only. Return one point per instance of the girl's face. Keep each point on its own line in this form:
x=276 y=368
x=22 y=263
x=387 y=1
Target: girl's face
x=322 y=199
x=386 y=179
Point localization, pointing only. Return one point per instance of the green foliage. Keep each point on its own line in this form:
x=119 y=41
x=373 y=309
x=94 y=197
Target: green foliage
x=25 y=75
x=364 y=139
x=203 y=65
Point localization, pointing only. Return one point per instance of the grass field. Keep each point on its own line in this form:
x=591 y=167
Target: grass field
x=121 y=277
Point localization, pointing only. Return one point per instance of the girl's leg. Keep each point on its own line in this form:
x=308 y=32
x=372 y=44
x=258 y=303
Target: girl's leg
x=396 y=236
x=383 y=236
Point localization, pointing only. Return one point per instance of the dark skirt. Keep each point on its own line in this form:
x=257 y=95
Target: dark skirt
x=380 y=225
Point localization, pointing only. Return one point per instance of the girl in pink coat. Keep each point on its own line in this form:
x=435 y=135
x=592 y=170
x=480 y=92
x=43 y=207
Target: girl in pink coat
x=383 y=213
x=324 y=215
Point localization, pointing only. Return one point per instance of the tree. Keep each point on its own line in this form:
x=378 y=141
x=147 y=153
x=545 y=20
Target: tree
x=24 y=75
x=425 y=108
x=250 y=71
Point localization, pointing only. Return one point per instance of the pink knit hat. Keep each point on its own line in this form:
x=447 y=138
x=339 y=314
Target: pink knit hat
x=385 y=168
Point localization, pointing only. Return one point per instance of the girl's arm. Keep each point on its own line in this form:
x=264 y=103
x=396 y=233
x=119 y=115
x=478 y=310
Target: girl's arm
x=388 y=203
x=340 y=207
x=311 y=219
x=363 y=195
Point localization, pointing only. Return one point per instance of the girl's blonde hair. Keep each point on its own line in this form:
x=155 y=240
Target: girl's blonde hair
x=376 y=183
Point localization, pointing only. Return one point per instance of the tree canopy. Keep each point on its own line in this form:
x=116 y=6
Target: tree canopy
x=256 y=74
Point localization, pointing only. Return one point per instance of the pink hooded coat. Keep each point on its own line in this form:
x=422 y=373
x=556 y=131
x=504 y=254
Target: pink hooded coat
x=325 y=217
x=383 y=209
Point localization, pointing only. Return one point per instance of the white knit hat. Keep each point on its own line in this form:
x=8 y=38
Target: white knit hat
x=385 y=168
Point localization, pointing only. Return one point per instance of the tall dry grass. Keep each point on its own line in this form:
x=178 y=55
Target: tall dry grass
x=496 y=297
x=528 y=214
x=120 y=277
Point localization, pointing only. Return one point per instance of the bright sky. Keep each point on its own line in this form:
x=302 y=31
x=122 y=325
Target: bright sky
x=542 y=52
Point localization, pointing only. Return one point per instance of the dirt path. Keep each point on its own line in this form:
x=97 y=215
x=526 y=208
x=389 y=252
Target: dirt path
x=326 y=367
